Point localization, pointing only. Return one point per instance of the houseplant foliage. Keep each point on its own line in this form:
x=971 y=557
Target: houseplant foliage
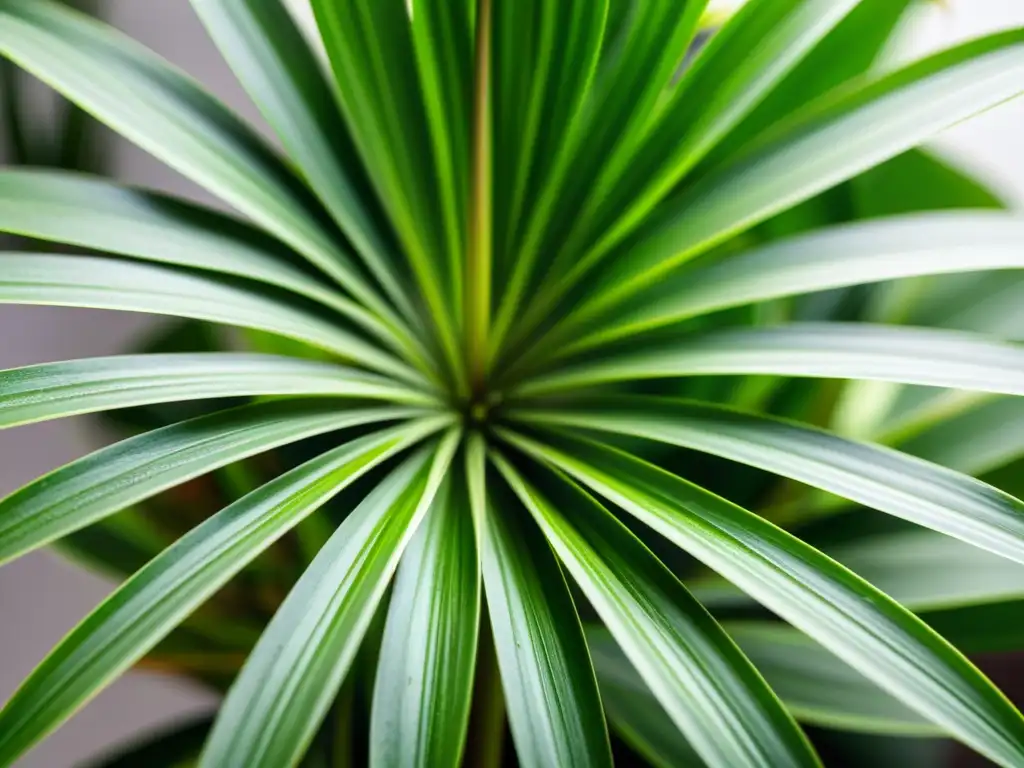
x=542 y=283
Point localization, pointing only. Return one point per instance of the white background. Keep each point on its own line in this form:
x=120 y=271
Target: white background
x=41 y=597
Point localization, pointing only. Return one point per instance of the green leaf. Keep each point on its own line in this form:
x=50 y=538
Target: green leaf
x=850 y=50
x=817 y=688
x=421 y=699
x=741 y=65
x=114 y=478
x=166 y=113
x=625 y=97
x=844 y=134
x=821 y=690
x=855 y=254
x=373 y=56
x=293 y=674
x=632 y=709
x=714 y=696
x=107 y=283
x=813 y=350
x=877 y=477
x=55 y=390
x=545 y=58
x=93 y=213
x=267 y=52
x=982 y=439
x=919 y=181
x=862 y=626
x=157 y=598
x=554 y=709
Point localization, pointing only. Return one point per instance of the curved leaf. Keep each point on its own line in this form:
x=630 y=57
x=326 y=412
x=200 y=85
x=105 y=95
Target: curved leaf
x=293 y=674
x=166 y=113
x=94 y=213
x=862 y=626
x=114 y=478
x=267 y=52
x=107 y=283
x=632 y=709
x=982 y=439
x=714 y=696
x=421 y=698
x=854 y=254
x=741 y=65
x=371 y=51
x=816 y=350
x=842 y=135
x=554 y=710
x=895 y=483
x=55 y=390
x=151 y=603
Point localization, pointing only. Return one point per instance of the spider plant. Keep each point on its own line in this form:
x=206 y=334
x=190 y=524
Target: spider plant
x=561 y=301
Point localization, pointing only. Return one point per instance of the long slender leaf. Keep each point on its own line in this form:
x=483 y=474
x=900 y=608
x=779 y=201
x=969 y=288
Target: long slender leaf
x=107 y=283
x=632 y=709
x=371 y=51
x=817 y=350
x=55 y=390
x=869 y=252
x=421 y=697
x=269 y=55
x=980 y=440
x=714 y=696
x=847 y=615
x=550 y=692
x=163 y=111
x=836 y=140
x=93 y=213
x=150 y=604
x=626 y=95
x=739 y=67
x=289 y=681
x=923 y=493
x=138 y=468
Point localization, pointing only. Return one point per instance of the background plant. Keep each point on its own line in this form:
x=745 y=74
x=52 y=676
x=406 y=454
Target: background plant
x=525 y=259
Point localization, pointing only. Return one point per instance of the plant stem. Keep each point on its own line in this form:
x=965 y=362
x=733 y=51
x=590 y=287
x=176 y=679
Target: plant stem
x=478 y=266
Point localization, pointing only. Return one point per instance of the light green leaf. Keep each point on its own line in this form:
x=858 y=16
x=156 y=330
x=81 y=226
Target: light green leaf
x=422 y=695
x=713 y=695
x=741 y=65
x=815 y=350
x=635 y=70
x=843 y=135
x=984 y=438
x=554 y=710
x=267 y=52
x=94 y=213
x=632 y=709
x=166 y=113
x=107 y=283
x=862 y=626
x=138 y=468
x=877 y=477
x=150 y=604
x=292 y=675
x=371 y=51
x=855 y=254
x=545 y=57
x=55 y=390
x=821 y=690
